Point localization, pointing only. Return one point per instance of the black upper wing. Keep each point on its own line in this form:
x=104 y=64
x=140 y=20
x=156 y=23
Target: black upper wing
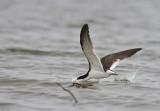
x=108 y=60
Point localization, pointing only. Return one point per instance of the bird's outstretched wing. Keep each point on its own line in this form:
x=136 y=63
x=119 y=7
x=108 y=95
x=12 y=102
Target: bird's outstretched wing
x=112 y=60
x=87 y=48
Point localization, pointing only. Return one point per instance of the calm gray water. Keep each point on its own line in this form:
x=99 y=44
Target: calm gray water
x=39 y=45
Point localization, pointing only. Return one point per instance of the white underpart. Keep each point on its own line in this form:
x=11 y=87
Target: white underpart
x=93 y=59
x=115 y=64
x=96 y=71
x=97 y=74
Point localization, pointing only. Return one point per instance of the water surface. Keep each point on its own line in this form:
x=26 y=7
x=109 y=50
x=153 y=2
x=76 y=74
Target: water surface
x=39 y=45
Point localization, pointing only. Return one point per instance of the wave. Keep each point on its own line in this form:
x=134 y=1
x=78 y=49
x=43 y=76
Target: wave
x=38 y=52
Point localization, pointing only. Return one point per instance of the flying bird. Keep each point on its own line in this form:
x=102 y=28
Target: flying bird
x=99 y=68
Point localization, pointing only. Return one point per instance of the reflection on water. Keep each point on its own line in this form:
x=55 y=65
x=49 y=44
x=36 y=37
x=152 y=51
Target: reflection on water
x=85 y=84
x=39 y=45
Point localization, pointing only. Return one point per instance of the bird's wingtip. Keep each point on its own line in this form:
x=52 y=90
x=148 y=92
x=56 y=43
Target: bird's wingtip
x=85 y=25
x=139 y=49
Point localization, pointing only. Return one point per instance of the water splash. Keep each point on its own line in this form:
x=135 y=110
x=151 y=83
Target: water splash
x=127 y=77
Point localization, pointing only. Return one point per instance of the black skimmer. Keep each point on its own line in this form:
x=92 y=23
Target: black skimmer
x=99 y=68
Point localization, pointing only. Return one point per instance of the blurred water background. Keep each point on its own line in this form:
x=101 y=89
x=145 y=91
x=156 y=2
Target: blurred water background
x=39 y=45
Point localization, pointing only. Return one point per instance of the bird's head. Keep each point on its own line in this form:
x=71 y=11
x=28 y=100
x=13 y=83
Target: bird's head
x=81 y=79
x=76 y=80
